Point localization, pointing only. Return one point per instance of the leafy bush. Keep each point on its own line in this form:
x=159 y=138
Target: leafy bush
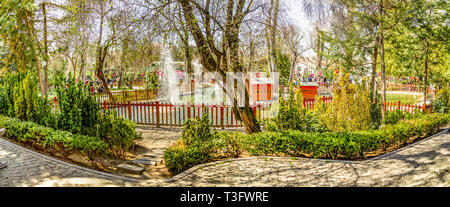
x=344 y=145
x=392 y=117
x=375 y=112
x=291 y=114
x=196 y=130
x=229 y=144
x=69 y=99
x=350 y=109
x=46 y=137
x=80 y=114
x=442 y=103
x=193 y=148
x=284 y=66
x=19 y=96
x=328 y=145
x=79 y=110
x=117 y=132
x=48 y=117
x=179 y=159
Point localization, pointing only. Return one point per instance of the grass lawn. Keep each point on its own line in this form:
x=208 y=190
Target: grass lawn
x=403 y=98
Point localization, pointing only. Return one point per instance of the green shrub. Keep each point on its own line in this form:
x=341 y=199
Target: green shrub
x=375 y=112
x=117 y=132
x=69 y=100
x=392 y=117
x=19 y=96
x=350 y=109
x=48 y=117
x=196 y=130
x=44 y=137
x=196 y=146
x=442 y=103
x=178 y=160
x=291 y=114
x=328 y=145
x=344 y=145
x=229 y=144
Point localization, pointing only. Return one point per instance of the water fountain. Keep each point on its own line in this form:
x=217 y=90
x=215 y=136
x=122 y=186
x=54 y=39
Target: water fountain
x=169 y=80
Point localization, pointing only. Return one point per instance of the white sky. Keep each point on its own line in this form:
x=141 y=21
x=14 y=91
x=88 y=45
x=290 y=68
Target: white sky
x=295 y=12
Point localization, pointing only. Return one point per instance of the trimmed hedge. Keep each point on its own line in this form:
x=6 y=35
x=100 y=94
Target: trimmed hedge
x=177 y=160
x=344 y=145
x=194 y=147
x=209 y=146
x=46 y=137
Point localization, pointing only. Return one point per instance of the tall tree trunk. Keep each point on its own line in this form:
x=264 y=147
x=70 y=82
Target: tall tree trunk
x=32 y=32
x=81 y=75
x=382 y=64
x=188 y=58
x=102 y=51
x=101 y=55
x=373 y=85
x=44 y=12
x=251 y=57
x=425 y=82
x=292 y=71
x=269 y=38
x=119 y=84
x=383 y=75
x=273 y=32
x=319 y=50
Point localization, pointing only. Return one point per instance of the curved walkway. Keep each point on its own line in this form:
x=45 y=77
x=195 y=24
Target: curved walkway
x=424 y=163
x=29 y=168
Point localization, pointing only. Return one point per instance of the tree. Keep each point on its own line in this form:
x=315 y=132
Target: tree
x=272 y=23
x=226 y=58
x=292 y=39
x=18 y=32
x=418 y=44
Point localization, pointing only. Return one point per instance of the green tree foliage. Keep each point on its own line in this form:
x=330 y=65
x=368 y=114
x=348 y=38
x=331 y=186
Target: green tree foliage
x=291 y=114
x=19 y=97
x=79 y=110
x=418 y=45
x=16 y=19
x=69 y=99
x=284 y=67
x=442 y=103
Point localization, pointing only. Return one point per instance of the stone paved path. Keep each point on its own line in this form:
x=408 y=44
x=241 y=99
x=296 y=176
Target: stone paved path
x=425 y=163
x=28 y=168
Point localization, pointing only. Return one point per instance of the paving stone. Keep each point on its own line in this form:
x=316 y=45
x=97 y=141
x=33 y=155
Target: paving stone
x=131 y=168
x=422 y=164
x=152 y=155
x=144 y=161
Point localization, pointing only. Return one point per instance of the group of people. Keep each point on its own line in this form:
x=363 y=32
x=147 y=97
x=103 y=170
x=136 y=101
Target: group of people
x=321 y=80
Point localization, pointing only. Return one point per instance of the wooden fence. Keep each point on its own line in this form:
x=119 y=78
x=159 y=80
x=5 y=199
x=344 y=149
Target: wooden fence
x=411 y=108
x=165 y=114
x=124 y=96
x=221 y=116
x=308 y=103
x=406 y=87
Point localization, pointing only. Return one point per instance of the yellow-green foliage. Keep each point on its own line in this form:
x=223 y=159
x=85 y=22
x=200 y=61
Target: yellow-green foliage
x=350 y=109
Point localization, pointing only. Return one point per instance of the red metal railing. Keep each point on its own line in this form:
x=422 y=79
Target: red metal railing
x=221 y=116
x=165 y=114
x=308 y=103
x=411 y=108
